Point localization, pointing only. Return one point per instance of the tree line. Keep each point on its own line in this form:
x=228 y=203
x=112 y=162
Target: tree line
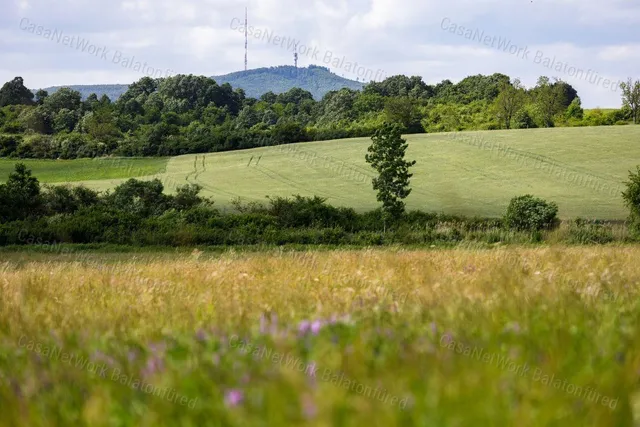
x=193 y=114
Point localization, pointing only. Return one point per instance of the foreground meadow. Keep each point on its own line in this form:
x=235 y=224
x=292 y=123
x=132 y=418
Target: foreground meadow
x=506 y=337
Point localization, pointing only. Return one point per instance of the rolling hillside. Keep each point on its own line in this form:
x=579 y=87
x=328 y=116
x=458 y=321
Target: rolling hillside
x=317 y=80
x=471 y=173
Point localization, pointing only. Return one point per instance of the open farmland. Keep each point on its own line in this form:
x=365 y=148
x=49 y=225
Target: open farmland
x=527 y=337
x=72 y=171
x=469 y=173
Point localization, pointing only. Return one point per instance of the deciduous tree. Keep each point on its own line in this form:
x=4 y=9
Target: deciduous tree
x=509 y=101
x=15 y=93
x=631 y=97
x=387 y=157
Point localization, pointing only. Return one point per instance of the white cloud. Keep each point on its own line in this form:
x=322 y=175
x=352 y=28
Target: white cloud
x=620 y=52
x=397 y=36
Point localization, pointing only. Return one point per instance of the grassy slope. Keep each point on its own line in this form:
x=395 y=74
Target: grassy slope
x=86 y=169
x=454 y=175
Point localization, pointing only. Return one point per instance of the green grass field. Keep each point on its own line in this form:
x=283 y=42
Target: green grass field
x=59 y=171
x=471 y=173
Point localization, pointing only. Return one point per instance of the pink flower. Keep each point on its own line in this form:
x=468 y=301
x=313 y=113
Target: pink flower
x=316 y=326
x=309 y=407
x=303 y=326
x=233 y=398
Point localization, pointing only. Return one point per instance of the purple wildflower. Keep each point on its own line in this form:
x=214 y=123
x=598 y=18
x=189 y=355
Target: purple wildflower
x=101 y=357
x=513 y=327
x=263 y=324
x=273 y=329
x=316 y=326
x=158 y=347
x=309 y=408
x=447 y=337
x=311 y=369
x=201 y=335
x=233 y=397
x=154 y=365
x=303 y=326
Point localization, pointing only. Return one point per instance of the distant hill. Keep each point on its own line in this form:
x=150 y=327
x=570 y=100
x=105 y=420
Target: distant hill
x=315 y=79
x=112 y=91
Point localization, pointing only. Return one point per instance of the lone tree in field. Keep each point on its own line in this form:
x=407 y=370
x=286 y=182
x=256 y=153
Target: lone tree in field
x=386 y=156
x=631 y=97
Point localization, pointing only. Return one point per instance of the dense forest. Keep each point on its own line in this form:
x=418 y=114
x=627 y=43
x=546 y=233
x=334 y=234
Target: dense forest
x=194 y=114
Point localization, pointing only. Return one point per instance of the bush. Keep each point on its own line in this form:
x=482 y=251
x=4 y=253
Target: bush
x=528 y=213
x=309 y=212
x=9 y=144
x=584 y=232
x=73 y=145
x=631 y=199
x=523 y=120
x=38 y=146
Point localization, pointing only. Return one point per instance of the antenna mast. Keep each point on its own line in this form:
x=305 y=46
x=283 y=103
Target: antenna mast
x=246 y=38
x=295 y=55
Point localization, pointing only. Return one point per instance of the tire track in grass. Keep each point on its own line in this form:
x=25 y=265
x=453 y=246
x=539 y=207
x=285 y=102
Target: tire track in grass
x=204 y=168
x=195 y=170
x=209 y=187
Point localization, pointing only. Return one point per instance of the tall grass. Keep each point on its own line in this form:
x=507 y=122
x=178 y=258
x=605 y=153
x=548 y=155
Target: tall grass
x=375 y=337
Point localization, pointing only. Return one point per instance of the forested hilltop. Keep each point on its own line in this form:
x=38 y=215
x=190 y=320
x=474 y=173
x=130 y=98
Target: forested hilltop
x=315 y=79
x=194 y=114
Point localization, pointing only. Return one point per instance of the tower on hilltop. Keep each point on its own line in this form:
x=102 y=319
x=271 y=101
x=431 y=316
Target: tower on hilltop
x=246 y=38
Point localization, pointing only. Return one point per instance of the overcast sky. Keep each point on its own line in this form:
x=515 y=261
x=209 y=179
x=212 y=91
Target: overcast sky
x=94 y=41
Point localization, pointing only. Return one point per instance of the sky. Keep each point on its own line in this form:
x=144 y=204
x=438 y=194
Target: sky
x=590 y=44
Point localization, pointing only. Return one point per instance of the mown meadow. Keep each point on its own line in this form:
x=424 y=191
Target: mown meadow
x=462 y=173
x=519 y=336
x=63 y=171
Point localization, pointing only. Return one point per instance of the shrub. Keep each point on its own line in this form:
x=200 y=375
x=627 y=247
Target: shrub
x=9 y=144
x=584 y=232
x=528 y=213
x=631 y=199
x=575 y=110
x=523 y=120
x=74 y=145
x=37 y=146
x=309 y=212
x=368 y=238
